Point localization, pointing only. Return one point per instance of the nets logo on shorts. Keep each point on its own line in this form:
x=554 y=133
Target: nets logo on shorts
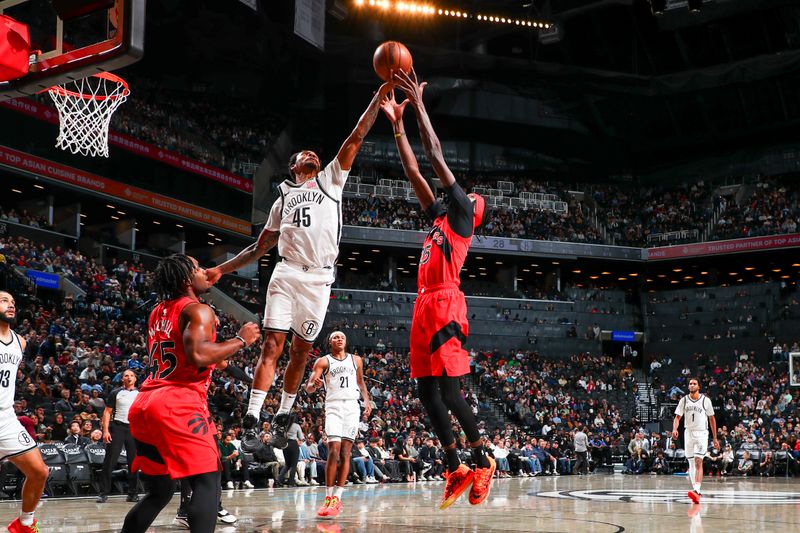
x=198 y=424
x=24 y=438
x=309 y=328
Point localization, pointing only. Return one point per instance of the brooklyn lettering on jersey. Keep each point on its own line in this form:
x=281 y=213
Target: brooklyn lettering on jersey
x=341 y=370
x=694 y=408
x=10 y=358
x=438 y=237
x=305 y=197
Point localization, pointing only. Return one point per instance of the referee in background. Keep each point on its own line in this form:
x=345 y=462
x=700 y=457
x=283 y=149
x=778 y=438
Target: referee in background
x=581 y=451
x=117 y=433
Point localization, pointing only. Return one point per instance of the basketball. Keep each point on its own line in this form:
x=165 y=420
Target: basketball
x=390 y=56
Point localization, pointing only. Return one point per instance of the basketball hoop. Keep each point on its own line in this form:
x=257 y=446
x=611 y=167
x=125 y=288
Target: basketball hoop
x=85 y=107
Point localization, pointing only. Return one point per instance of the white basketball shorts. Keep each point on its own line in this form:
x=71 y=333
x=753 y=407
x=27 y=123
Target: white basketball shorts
x=297 y=300
x=696 y=442
x=14 y=439
x=341 y=419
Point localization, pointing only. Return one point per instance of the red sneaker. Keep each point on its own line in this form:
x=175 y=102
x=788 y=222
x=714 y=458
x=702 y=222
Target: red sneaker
x=17 y=527
x=694 y=496
x=334 y=507
x=323 y=511
x=457 y=483
x=482 y=483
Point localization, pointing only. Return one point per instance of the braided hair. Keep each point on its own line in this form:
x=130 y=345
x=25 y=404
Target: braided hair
x=172 y=275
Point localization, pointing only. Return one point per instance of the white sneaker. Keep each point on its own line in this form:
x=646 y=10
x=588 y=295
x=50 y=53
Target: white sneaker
x=225 y=517
x=248 y=485
x=181 y=521
x=302 y=483
x=371 y=480
x=229 y=485
x=314 y=482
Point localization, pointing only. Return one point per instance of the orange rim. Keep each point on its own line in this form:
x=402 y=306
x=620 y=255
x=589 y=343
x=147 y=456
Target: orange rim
x=58 y=89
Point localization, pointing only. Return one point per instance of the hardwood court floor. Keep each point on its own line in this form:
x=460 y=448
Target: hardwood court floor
x=601 y=504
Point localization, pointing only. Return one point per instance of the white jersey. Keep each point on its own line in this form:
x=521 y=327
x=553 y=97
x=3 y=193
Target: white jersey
x=340 y=379
x=309 y=218
x=695 y=413
x=10 y=357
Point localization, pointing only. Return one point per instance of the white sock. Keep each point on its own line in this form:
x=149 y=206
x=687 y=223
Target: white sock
x=26 y=519
x=257 y=398
x=696 y=487
x=328 y=491
x=338 y=492
x=691 y=472
x=287 y=402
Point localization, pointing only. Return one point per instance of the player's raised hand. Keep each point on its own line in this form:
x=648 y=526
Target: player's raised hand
x=250 y=332
x=393 y=110
x=213 y=274
x=410 y=86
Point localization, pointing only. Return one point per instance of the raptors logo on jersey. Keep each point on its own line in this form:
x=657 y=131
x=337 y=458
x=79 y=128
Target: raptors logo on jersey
x=443 y=254
x=309 y=218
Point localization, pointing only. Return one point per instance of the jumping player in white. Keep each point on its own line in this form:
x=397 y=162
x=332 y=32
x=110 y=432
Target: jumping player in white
x=16 y=444
x=342 y=375
x=697 y=411
x=306 y=224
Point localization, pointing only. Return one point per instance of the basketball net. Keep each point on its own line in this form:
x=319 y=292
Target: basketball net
x=84 y=108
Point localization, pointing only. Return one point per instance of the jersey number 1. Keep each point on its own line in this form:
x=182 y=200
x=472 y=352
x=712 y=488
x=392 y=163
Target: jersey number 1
x=162 y=359
x=301 y=218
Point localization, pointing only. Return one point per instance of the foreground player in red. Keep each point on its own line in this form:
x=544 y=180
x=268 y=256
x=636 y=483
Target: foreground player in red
x=169 y=418
x=439 y=325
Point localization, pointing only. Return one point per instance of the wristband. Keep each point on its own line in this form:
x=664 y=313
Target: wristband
x=398 y=135
x=244 y=344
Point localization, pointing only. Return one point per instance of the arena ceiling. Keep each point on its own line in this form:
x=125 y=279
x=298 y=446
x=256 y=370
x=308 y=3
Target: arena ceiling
x=642 y=91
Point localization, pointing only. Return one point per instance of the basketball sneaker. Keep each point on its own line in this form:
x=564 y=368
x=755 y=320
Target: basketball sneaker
x=224 y=517
x=323 y=511
x=482 y=483
x=250 y=441
x=181 y=520
x=280 y=425
x=17 y=527
x=457 y=482
x=334 y=507
x=694 y=496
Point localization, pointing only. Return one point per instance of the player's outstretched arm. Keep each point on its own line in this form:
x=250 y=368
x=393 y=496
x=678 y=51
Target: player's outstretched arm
x=198 y=335
x=315 y=379
x=433 y=148
x=347 y=153
x=362 y=386
x=267 y=239
x=394 y=112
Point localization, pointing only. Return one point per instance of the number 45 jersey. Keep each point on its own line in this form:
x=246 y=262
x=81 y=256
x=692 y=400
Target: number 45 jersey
x=168 y=364
x=309 y=218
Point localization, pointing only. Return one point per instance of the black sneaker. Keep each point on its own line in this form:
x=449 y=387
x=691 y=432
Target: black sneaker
x=102 y=498
x=250 y=441
x=133 y=498
x=280 y=425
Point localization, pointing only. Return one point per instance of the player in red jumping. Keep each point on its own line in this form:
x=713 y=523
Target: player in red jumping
x=169 y=418
x=439 y=326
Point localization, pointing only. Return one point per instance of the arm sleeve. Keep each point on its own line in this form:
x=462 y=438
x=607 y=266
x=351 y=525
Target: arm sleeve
x=435 y=210
x=274 y=220
x=238 y=373
x=460 y=211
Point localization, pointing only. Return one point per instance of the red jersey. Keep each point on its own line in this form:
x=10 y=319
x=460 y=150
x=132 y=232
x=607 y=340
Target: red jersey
x=168 y=364
x=443 y=254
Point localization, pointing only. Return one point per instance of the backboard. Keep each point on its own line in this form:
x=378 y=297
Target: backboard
x=105 y=40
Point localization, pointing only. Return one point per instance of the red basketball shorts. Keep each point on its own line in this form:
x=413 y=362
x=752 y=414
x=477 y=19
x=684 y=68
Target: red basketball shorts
x=438 y=329
x=174 y=434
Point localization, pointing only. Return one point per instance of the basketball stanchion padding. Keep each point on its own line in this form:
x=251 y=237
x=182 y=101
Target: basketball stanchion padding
x=15 y=49
x=85 y=107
